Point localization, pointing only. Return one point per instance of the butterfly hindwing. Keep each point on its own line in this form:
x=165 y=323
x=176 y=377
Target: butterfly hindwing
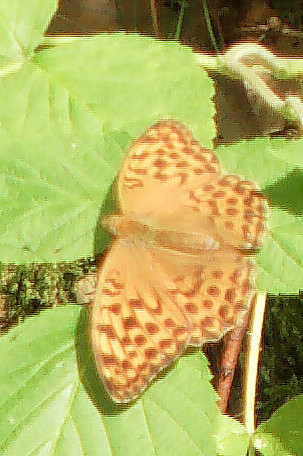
x=214 y=289
x=152 y=303
x=137 y=329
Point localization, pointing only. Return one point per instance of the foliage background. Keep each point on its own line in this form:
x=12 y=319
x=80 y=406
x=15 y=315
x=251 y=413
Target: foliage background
x=27 y=289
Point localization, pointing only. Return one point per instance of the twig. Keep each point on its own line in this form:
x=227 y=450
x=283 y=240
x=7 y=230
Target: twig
x=232 y=346
x=155 y=17
x=266 y=29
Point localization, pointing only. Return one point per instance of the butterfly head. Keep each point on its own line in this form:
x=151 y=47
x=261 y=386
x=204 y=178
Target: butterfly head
x=112 y=224
x=119 y=225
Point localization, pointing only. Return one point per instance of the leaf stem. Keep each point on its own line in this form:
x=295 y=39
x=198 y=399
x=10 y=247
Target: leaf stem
x=250 y=383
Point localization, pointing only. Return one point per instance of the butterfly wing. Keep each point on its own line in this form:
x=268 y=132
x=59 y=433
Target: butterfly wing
x=170 y=182
x=151 y=303
x=136 y=327
x=214 y=289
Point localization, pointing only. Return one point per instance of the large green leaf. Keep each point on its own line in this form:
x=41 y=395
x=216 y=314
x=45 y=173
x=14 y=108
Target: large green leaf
x=129 y=80
x=68 y=117
x=22 y=26
x=53 y=403
x=282 y=434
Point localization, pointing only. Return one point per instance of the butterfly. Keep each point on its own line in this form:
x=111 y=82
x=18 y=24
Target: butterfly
x=180 y=270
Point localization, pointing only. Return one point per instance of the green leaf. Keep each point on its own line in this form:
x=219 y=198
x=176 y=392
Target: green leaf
x=53 y=403
x=282 y=433
x=67 y=118
x=290 y=151
x=231 y=436
x=22 y=26
x=129 y=81
x=258 y=160
x=270 y=445
x=281 y=258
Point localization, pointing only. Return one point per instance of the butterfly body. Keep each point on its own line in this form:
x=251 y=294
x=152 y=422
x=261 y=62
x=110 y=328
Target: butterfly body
x=183 y=241
x=180 y=270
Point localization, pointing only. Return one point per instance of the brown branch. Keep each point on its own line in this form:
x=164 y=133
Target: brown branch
x=232 y=346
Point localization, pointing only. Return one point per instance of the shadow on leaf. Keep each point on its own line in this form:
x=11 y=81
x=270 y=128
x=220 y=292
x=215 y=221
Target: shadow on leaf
x=87 y=370
x=287 y=192
x=102 y=238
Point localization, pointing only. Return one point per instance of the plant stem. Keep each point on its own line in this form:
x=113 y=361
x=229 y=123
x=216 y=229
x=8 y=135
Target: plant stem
x=281 y=67
x=209 y=26
x=250 y=385
x=180 y=20
x=119 y=13
x=155 y=16
x=134 y=8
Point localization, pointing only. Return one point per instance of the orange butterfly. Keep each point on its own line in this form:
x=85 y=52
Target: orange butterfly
x=180 y=271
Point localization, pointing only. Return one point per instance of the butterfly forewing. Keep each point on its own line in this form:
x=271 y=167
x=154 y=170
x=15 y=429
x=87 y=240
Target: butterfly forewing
x=171 y=182
x=177 y=275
